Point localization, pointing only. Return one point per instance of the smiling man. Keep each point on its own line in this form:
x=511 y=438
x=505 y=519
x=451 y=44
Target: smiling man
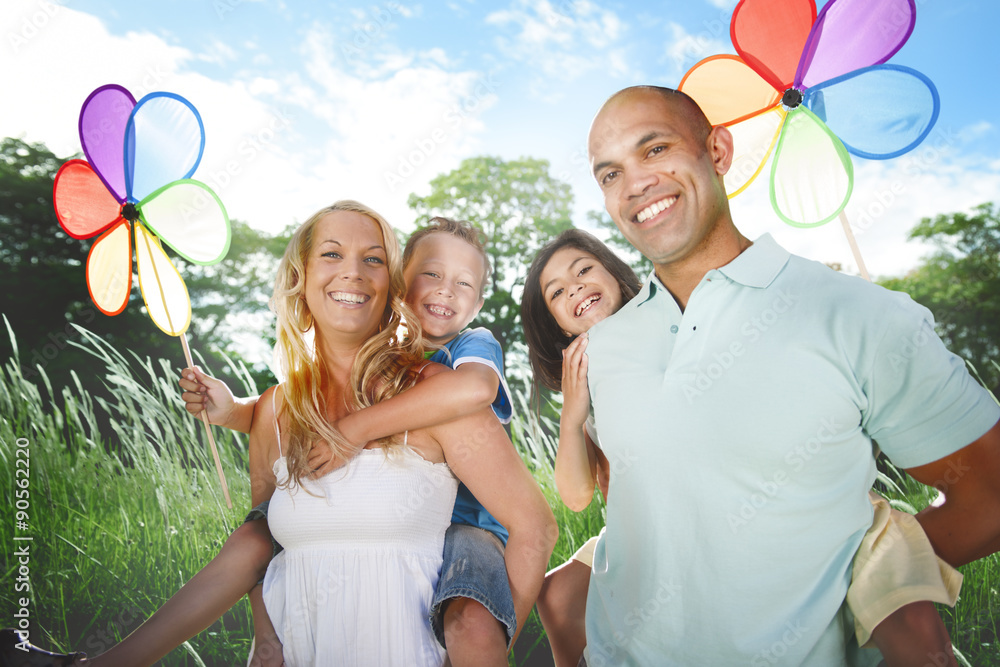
x=746 y=387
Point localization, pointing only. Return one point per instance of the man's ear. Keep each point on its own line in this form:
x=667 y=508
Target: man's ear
x=720 y=147
x=479 y=306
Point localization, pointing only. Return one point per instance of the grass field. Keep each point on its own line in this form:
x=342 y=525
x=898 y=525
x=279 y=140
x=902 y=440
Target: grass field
x=117 y=524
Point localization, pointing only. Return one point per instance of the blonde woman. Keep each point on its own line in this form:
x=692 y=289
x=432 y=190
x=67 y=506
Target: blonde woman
x=363 y=544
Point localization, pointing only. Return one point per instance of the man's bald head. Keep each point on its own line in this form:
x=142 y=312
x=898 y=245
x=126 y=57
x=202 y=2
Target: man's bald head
x=679 y=103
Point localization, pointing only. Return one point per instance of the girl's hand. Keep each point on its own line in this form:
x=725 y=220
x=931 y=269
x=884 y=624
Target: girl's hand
x=204 y=392
x=576 y=393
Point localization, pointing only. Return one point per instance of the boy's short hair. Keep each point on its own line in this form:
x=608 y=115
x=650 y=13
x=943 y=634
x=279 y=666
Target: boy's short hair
x=459 y=228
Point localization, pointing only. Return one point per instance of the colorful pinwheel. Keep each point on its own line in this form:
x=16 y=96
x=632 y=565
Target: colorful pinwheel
x=140 y=156
x=812 y=89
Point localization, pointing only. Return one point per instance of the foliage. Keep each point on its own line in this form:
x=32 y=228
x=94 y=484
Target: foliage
x=519 y=206
x=117 y=524
x=960 y=284
x=616 y=240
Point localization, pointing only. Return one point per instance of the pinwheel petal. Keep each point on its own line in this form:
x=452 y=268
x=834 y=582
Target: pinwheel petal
x=83 y=205
x=103 y=118
x=190 y=218
x=879 y=112
x=812 y=175
x=851 y=34
x=769 y=35
x=163 y=289
x=727 y=89
x=164 y=141
x=109 y=269
x=753 y=140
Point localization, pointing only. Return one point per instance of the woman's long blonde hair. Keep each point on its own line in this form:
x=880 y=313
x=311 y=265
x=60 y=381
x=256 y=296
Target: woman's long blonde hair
x=386 y=364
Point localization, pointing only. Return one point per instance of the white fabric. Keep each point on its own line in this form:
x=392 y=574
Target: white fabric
x=361 y=558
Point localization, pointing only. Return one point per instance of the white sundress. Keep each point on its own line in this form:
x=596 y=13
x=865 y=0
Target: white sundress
x=354 y=583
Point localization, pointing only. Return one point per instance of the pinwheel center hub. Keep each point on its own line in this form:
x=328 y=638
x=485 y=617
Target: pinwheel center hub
x=130 y=212
x=792 y=98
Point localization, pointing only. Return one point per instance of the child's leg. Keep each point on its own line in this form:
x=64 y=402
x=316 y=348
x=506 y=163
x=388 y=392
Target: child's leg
x=914 y=635
x=200 y=602
x=473 y=582
x=561 y=606
x=473 y=636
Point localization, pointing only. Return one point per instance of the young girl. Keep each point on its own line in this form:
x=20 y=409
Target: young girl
x=574 y=282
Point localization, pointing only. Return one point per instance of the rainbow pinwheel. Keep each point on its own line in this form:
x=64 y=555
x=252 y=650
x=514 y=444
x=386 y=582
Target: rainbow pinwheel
x=140 y=156
x=813 y=89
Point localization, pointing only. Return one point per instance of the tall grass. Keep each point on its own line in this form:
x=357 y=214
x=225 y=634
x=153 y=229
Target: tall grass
x=119 y=523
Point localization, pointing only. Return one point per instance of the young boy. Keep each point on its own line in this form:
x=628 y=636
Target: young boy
x=446 y=268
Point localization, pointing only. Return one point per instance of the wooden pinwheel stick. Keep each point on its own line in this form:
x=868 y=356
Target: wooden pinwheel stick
x=208 y=430
x=854 y=247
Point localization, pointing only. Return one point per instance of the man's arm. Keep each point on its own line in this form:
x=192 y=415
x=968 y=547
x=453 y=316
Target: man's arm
x=966 y=526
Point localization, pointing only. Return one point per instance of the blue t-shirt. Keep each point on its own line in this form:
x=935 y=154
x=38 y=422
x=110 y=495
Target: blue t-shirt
x=480 y=347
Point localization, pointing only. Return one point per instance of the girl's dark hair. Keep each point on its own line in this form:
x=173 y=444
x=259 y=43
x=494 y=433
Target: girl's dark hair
x=545 y=338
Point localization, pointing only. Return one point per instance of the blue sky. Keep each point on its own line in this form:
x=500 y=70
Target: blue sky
x=305 y=103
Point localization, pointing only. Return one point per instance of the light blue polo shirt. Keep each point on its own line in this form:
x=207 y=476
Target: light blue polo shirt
x=739 y=434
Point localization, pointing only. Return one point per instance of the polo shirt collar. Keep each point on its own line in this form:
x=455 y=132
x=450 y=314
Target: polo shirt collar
x=757 y=266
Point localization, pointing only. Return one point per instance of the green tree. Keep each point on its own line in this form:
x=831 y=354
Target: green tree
x=616 y=240
x=519 y=206
x=960 y=284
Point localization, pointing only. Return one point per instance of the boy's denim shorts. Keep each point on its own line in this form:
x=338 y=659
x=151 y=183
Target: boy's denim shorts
x=260 y=512
x=473 y=568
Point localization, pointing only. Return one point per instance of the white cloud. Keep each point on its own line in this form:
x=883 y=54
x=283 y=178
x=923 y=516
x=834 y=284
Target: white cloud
x=889 y=198
x=684 y=49
x=219 y=53
x=59 y=56
x=561 y=41
x=388 y=135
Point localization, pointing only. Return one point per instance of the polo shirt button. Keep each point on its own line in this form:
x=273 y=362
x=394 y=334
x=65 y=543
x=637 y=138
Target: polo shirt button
x=673 y=328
